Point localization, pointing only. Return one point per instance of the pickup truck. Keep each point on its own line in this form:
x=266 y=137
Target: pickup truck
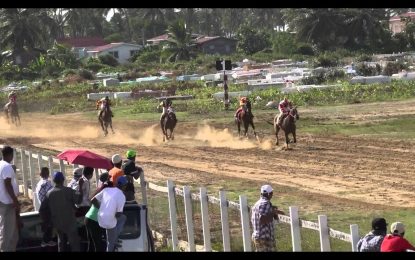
x=136 y=235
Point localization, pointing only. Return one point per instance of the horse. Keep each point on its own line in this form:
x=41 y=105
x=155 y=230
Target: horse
x=12 y=114
x=168 y=123
x=106 y=119
x=245 y=117
x=287 y=125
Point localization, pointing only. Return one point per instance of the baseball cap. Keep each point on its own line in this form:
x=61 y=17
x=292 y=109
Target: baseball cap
x=379 y=224
x=58 y=176
x=130 y=154
x=77 y=172
x=397 y=228
x=122 y=180
x=116 y=158
x=266 y=189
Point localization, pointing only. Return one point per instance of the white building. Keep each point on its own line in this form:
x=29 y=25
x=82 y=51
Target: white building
x=120 y=50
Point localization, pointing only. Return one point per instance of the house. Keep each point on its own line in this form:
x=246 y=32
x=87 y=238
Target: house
x=205 y=44
x=397 y=23
x=216 y=45
x=80 y=46
x=120 y=50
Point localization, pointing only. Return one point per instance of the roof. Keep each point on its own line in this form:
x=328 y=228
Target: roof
x=82 y=42
x=398 y=17
x=110 y=46
x=205 y=39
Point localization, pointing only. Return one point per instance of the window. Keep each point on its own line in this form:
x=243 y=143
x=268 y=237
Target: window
x=133 y=52
x=212 y=47
x=114 y=53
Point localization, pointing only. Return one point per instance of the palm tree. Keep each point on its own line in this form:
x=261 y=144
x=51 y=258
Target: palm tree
x=180 y=42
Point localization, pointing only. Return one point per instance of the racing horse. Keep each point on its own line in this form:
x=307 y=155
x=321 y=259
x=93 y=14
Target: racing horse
x=106 y=119
x=168 y=124
x=287 y=125
x=246 y=118
x=12 y=114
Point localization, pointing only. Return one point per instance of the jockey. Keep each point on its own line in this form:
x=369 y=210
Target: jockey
x=243 y=101
x=102 y=103
x=284 y=107
x=167 y=107
x=12 y=99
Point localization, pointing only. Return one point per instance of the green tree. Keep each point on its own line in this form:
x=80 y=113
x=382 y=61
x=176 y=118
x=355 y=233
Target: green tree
x=251 y=40
x=180 y=44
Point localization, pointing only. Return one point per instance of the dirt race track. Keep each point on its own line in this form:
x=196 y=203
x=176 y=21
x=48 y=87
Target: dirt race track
x=354 y=169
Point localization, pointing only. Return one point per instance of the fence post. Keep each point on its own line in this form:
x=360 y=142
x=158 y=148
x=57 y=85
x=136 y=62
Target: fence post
x=50 y=163
x=324 y=233
x=246 y=236
x=224 y=220
x=295 y=229
x=189 y=218
x=62 y=170
x=39 y=161
x=32 y=182
x=143 y=185
x=354 y=232
x=205 y=219
x=24 y=172
x=173 y=215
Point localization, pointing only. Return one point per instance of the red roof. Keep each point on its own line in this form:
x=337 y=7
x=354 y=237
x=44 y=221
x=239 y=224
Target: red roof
x=209 y=38
x=82 y=42
x=162 y=37
x=106 y=47
x=398 y=17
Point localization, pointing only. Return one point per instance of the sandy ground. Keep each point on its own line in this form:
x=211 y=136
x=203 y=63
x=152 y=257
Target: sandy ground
x=360 y=169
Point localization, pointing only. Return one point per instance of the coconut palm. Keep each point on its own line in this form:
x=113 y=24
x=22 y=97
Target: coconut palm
x=180 y=43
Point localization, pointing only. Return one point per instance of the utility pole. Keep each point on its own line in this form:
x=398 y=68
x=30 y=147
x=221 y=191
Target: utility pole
x=225 y=87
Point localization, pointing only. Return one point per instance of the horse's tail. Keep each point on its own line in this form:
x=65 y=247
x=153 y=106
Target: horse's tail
x=269 y=122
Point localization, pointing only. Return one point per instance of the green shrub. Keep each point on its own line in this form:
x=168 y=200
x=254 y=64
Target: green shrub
x=364 y=57
x=393 y=68
x=365 y=70
x=305 y=49
x=94 y=66
x=327 y=59
x=69 y=72
x=85 y=74
x=109 y=60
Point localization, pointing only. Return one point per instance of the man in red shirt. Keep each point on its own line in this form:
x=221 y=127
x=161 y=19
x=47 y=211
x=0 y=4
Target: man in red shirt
x=395 y=242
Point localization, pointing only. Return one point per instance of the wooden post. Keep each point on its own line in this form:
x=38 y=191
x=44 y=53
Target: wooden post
x=32 y=182
x=246 y=235
x=224 y=220
x=354 y=232
x=50 y=163
x=324 y=233
x=295 y=229
x=205 y=219
x=189 y=218
x=24 y=172
x=143 y=185
x=173 y=215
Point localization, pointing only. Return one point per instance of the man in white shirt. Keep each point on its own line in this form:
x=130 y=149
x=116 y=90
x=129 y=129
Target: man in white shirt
x=9 y=205
x=84 y=185
x=110 y=202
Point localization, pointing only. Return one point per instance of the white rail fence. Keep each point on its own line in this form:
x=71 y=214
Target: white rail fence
x=26 y=168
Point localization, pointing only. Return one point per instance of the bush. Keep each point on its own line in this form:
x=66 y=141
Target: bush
x=109 y=60
x=364 y=57
x=327 y=59
x=365 y=70
x=85 y=74
x=67 y=72
x=94 y=66
x=393 y=68
x=305 y=49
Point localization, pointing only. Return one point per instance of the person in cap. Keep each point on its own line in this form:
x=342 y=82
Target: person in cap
x=395 y=242
x=132 y=172
x=262 y=219
x=60 y=202
x=77 y=174
x=110 y=202
x=372 y=241
x=116 y=172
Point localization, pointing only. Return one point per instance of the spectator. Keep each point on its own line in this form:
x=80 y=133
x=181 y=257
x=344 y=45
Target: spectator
x=110 y=202
x=372 y=241
x=262 y=219
x=9 y=205
x=395 y=242
x=95 y=233
x=77 y=174
x=116 y=171
x=42 y=188
x=132 y=172
x=61 y=202
x=85 y=186
x=104 y=177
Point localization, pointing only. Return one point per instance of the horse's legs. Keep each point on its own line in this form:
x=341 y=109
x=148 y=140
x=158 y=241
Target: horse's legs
x=287 y=140
x=277 y=129
x=294 y=137
x=253 y=127
x=238 y=124
x=111 y=127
